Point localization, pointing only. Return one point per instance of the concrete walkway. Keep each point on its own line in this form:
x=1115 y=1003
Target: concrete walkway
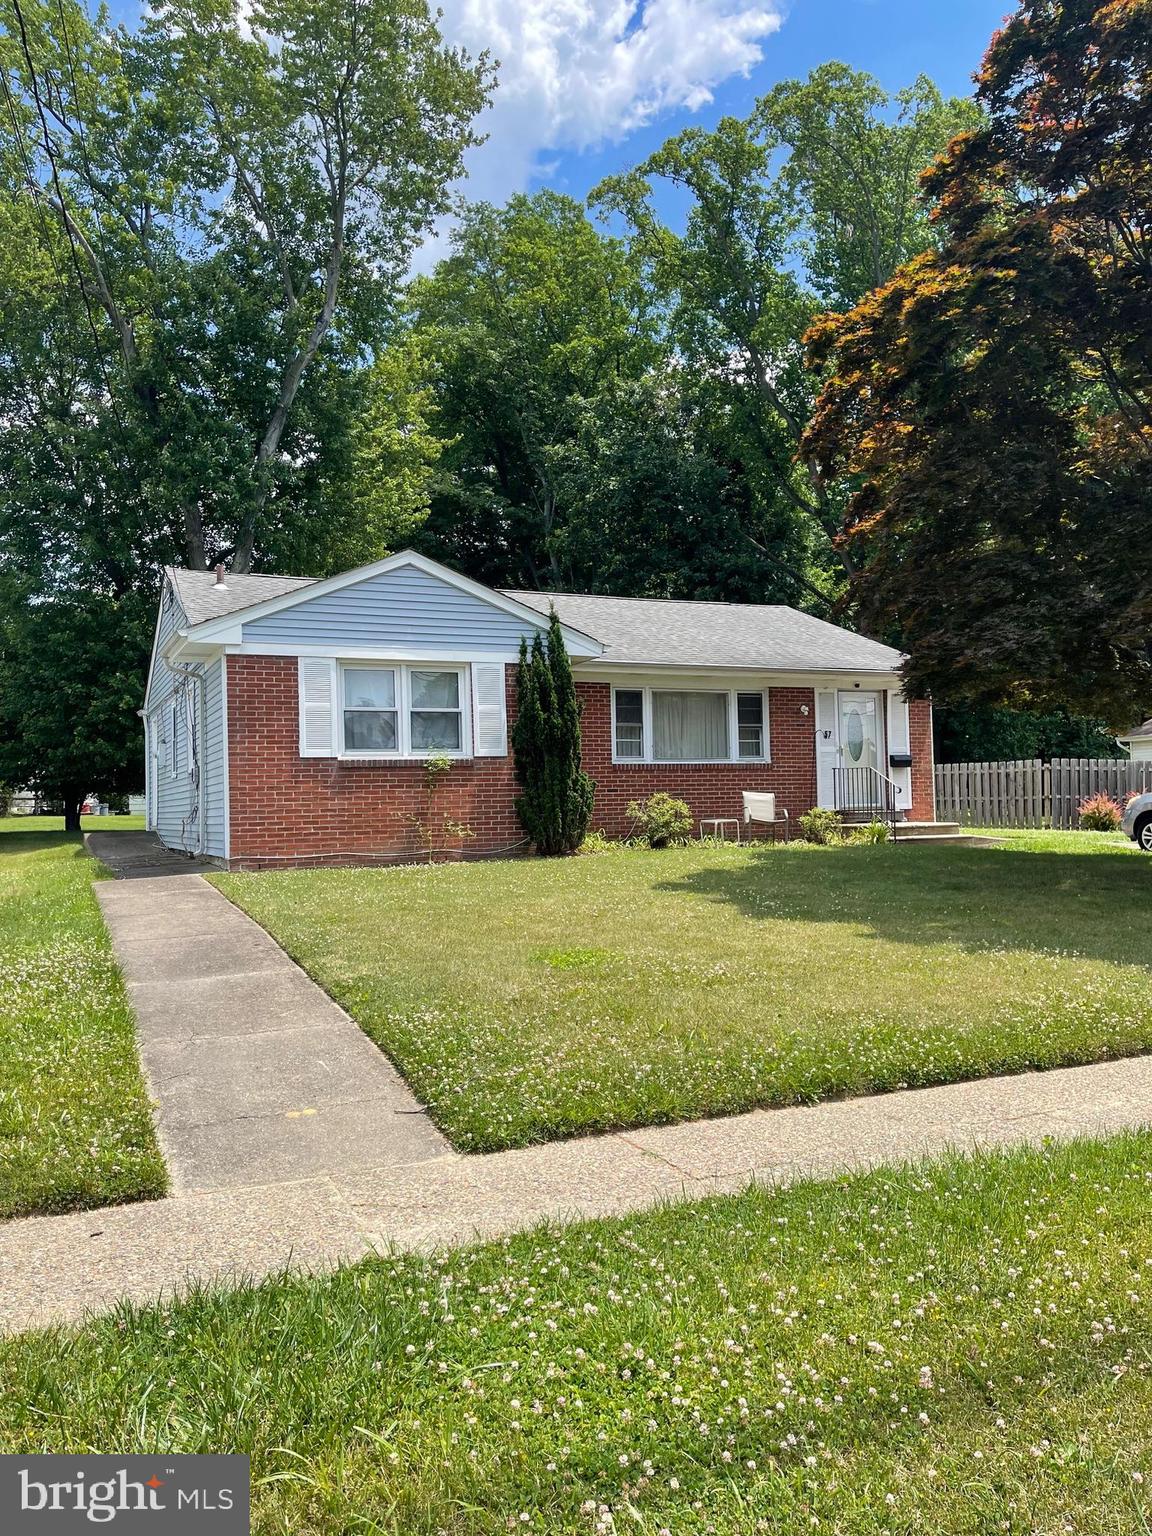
x=257 y=1076
x=291 y=1141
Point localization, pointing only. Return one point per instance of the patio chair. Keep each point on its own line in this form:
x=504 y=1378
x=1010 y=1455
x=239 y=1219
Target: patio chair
x=760 y=810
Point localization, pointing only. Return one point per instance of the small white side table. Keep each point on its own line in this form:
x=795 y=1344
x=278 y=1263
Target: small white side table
x=717 y=824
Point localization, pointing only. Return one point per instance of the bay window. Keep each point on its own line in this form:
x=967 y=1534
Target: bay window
x=401 y=711
x=697 y=725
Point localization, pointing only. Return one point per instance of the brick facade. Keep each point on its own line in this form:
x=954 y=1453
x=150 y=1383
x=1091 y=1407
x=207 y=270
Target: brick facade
x=923 y=763
x=287 y=809
x=710 y=789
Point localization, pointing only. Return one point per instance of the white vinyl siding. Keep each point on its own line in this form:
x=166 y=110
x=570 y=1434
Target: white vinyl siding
x=214 y=764
x=689 y=725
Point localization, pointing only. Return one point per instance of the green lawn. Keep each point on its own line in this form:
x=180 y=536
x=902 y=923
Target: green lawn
x=533 y=999
x=959 y=1349
x=56 y=823
x=74 y=1123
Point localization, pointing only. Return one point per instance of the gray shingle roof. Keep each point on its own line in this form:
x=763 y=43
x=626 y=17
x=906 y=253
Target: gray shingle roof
x=202 y=599
x=674 y=633
x=1138 y=730
x=633 y=630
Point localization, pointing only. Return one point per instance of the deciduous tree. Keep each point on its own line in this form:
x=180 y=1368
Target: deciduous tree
x=805 y=203
x=992 y=404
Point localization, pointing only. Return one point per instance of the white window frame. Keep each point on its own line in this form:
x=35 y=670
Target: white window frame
x=403 y=673
x=646 y=759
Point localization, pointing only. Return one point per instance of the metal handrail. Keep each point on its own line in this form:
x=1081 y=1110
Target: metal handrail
x=867 y=789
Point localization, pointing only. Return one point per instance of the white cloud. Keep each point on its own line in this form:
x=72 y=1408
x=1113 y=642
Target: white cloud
x=577 y=73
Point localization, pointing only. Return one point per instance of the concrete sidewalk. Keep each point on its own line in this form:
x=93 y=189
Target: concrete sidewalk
x=257 y=1076
x=292 y=1141
x=55 y=1268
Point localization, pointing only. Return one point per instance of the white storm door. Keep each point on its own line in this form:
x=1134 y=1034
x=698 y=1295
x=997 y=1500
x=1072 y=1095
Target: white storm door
x=861 y=748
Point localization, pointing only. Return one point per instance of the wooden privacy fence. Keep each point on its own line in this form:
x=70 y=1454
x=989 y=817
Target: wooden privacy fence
x=1031 y=793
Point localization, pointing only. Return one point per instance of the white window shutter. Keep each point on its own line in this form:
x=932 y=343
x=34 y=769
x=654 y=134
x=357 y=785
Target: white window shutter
x=827 y=747
x=317 y=707
x=488 y=712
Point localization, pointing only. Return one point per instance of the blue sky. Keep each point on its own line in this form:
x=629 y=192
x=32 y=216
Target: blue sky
x=895 y=40
x=589 y=87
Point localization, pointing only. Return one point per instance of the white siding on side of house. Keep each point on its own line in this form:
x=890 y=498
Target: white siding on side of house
x=214 y=763
x=190 y=809
x=173 y=798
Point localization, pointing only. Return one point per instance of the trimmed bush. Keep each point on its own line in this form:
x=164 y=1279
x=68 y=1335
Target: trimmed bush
x=820 y=826
x=660 y=820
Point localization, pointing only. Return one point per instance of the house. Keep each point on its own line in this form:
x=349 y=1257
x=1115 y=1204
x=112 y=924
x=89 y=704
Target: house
x=288 y=720
x=1139 y=743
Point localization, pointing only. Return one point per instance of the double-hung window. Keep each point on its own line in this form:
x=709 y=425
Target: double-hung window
x=700 y=725
x=402 y=711
x=750 y=725
x=371 y=709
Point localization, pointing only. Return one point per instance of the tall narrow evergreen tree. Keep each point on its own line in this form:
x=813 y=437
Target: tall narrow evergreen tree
x=555 y=803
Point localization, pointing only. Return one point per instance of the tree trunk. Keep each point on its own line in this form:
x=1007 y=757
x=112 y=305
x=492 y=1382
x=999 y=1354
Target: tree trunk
x=73 y=800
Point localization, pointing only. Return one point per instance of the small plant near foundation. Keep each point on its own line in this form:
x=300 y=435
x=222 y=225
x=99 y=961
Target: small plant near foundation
x=820 y=826
x=872 y=832
x=430 y=829
x=660 y=821
x=597 y=842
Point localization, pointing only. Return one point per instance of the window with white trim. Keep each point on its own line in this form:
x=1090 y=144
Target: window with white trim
x=630 y=722
x=173 y=729
x=402 y=711
x=689 y=725
x=750 y=725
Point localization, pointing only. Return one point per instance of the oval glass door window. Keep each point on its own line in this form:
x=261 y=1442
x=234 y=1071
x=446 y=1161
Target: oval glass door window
x=854 y=734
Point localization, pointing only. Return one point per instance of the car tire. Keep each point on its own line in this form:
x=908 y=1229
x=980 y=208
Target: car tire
x=1143 y=830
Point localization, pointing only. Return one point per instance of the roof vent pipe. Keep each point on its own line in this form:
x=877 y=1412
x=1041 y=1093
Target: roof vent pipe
x=220 y=582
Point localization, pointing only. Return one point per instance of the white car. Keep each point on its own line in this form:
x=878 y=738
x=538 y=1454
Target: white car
x=1137 y=821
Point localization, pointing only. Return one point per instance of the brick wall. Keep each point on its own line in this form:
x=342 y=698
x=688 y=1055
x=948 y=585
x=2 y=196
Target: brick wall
x=287 y=809
x=710 y=789
x=923 y=768
x=291 y=809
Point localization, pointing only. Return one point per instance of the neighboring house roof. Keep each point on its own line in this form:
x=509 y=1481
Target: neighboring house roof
x=668 y=632
x=1137 y=732
x=202 y=599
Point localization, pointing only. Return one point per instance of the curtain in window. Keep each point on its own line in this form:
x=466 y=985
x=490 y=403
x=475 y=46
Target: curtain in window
x=689 y=727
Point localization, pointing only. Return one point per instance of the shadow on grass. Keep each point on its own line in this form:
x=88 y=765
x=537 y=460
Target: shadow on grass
x=1083 y=905
x=39 y=841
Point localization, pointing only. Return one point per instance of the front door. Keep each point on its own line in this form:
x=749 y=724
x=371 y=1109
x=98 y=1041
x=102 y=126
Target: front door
x=861 y=749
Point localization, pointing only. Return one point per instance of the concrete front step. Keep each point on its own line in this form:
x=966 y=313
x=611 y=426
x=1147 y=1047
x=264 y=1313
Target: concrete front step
x=927 y=829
